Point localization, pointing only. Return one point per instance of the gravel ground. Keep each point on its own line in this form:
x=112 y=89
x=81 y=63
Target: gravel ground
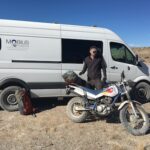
x=52 y=130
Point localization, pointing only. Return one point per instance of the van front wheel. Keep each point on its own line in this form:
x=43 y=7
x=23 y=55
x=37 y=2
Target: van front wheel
x=142 y=92
x=8 y=100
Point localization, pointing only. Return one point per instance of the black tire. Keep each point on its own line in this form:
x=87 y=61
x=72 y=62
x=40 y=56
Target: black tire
x=124 y=120
x=8 y=100
x=142 y=92
x=70 y=106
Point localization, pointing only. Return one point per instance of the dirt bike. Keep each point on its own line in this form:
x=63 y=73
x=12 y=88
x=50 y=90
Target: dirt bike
x=104 y=102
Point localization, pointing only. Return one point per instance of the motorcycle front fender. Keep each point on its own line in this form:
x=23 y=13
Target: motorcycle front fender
x=127 y=102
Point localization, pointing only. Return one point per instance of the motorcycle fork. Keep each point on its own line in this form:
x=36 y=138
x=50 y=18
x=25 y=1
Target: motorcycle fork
x=133 y=108
x=130 y=102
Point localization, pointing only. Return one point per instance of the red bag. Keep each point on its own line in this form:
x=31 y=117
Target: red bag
x=24 y=102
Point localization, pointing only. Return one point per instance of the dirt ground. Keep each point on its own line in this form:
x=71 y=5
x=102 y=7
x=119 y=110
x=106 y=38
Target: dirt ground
x=52 y=130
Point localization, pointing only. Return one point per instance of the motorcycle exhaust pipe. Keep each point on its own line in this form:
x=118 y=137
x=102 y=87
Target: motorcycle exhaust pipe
x=84 y=109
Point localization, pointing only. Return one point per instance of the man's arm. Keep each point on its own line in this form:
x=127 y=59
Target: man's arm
x=84 y=69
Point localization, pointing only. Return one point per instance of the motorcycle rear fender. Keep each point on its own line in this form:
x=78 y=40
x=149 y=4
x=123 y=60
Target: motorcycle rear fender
x=127 y=102
x=77 y=90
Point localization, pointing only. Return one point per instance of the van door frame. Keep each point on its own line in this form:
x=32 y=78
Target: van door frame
x=124 y=66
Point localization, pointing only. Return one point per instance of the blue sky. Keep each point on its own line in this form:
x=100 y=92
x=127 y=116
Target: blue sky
x=130 y=19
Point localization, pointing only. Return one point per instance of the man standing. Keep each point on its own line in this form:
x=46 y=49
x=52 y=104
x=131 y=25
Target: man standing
x=94 y=64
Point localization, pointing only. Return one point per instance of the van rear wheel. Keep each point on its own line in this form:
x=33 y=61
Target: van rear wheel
x=8 y=100
x=142 y=92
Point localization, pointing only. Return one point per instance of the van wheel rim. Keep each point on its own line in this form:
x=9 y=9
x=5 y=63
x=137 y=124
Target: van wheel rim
x=11 y=99
x=142 y=93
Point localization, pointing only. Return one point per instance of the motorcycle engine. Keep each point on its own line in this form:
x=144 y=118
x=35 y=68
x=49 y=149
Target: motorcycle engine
x=106 y=100
x=103 y=110
x=103 y=107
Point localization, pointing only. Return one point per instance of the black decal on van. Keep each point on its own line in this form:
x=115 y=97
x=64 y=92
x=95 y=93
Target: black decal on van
x=0 y=44
x=34 y=61
x=46 y=85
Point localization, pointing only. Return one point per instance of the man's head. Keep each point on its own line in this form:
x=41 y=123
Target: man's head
x=93 y=51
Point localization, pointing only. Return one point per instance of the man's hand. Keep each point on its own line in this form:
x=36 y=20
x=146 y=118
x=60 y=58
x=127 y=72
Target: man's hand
x=80 y=73
x=104 y=79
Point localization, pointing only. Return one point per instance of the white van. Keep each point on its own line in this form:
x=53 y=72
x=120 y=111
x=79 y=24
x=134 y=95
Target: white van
x=35 y=55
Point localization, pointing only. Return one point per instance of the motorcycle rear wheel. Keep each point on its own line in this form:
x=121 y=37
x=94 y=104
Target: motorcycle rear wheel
x=136 y=126
x=73 y=114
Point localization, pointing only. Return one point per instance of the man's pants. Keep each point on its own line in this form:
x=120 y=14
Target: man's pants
x=95 y=84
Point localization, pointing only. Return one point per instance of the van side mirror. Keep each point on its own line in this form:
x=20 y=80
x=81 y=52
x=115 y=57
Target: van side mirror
x=137 y=58
x=138 y=61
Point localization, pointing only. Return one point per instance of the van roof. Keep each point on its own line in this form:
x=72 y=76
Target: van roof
x=54 y=26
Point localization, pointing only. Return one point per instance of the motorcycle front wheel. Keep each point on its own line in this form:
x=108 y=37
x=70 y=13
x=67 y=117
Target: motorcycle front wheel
x=72 y=110
x=135 y=125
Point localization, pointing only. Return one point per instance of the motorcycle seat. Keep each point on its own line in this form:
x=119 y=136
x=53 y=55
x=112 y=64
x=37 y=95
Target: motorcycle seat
x=94 y=92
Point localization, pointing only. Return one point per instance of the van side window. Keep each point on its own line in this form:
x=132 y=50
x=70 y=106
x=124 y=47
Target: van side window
x=75 y=51
x=121 y=53
x=0 y=44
